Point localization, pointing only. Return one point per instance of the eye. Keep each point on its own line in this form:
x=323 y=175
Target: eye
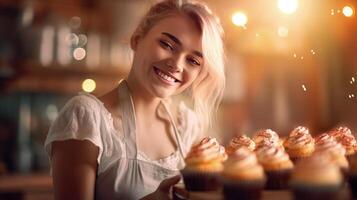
x=193 y=61
x=166 y=45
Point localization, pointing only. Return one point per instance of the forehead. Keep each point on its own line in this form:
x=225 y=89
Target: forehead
x=182 y=27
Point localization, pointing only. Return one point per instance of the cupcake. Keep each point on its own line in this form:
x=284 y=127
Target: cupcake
x=240 y=141
x=277 y=166
x=267 y=136
x=315 y=178
x=299 y=143
x=352 y=175
x=326 y=144
x=344 y=136
x=243 y=177
x=204 y=163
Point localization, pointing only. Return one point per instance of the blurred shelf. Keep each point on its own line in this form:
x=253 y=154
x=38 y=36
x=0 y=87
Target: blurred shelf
x=26 y=187
x=70 y=70
x=32 y=77
x=18 y=182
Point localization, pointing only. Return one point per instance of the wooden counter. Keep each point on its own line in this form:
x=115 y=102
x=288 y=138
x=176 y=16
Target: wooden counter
x=179 y=190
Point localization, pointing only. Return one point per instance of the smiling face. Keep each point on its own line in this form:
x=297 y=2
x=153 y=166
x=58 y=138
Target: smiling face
x=168 y=58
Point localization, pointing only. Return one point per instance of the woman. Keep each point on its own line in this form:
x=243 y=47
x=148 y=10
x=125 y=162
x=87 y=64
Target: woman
x=128 y=144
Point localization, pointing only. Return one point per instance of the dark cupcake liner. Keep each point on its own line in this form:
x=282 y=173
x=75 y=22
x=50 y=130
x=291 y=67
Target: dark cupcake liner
x=352 y=180
x=243 y=190
x=349 y=157
x=345 y=174
x=278 y=179
x=308 y=192
x=201 y=181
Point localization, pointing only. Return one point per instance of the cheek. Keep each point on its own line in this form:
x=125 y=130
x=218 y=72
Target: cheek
x=151 y=53
x=192 y=74
x=157 y=53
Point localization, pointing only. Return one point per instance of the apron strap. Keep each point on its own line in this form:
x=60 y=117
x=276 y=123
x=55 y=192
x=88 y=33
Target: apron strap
x=178 y=138
x=126 y=107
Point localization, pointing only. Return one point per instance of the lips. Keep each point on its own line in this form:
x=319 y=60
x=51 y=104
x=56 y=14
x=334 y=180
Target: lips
x=165 y=76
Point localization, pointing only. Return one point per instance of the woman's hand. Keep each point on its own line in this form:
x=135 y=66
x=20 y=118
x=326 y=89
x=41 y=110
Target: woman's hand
x=163 y=191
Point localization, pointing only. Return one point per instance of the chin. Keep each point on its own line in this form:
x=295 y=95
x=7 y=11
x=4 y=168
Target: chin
x=162 y=93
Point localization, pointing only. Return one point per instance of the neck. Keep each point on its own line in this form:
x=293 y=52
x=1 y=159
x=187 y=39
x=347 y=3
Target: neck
x=145 y=104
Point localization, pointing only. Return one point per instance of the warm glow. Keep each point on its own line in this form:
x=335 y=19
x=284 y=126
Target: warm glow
x=348 y=11
x=283 y=31
x=88 y=85
x=79 y=53
x=288 y=6
x=239 y=19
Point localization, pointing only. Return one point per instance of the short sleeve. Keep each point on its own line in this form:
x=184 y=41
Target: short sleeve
x=79 y=119
x=189 y=126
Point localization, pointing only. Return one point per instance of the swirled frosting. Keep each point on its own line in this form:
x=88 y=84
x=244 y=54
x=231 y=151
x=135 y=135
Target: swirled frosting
x=299 y=138
x=240 y=141
x=326 y=142
x=344 y=136
x=273 y=158
x=340 y=131
x=266 y=143
x=206 y=151
x=266 y=134
x=243 y=165
x=316 y=170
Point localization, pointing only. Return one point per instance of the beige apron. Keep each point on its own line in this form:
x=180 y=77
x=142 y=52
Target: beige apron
x=132 y=178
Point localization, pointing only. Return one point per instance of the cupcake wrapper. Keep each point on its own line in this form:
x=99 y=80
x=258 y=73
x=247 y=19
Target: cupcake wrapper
x=308 y=195
x=295 y=160
x=308 y=192
x=243 y=190
x=349 y=157
x=201 y=181
x=344 y=173
x=278 y=180
x=353 y=185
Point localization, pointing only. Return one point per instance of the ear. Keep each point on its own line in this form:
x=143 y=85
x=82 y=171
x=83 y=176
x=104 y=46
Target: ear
x=134 y=40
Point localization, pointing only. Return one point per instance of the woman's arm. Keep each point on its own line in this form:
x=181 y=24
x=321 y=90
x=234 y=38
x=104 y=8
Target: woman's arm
x=74 y=169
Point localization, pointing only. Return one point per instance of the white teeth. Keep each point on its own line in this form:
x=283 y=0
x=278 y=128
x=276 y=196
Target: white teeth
x=166 y=77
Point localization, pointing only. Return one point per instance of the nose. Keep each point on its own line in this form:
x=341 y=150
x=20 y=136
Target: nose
x=174 y=65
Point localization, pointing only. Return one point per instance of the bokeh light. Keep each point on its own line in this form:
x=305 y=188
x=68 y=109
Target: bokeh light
x=288 y=6
x=88 y=85
x=239 y=19
x=283 y=31
x=303 y=88
x=75 y=22
x=348 y=11
x=79 y=53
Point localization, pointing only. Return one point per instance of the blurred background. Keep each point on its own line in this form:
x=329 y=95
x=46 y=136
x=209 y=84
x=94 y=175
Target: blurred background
x=289 y=63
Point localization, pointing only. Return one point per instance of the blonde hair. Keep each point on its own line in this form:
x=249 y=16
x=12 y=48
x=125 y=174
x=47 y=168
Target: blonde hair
x=207 y=88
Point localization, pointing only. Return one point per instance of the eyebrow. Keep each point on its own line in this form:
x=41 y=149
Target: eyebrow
x=176 y=40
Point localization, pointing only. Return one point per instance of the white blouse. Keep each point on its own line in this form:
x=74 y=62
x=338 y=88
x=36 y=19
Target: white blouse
x=84 y=117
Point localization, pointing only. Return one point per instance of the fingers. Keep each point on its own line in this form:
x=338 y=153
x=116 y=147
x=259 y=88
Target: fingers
x=166 y=184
